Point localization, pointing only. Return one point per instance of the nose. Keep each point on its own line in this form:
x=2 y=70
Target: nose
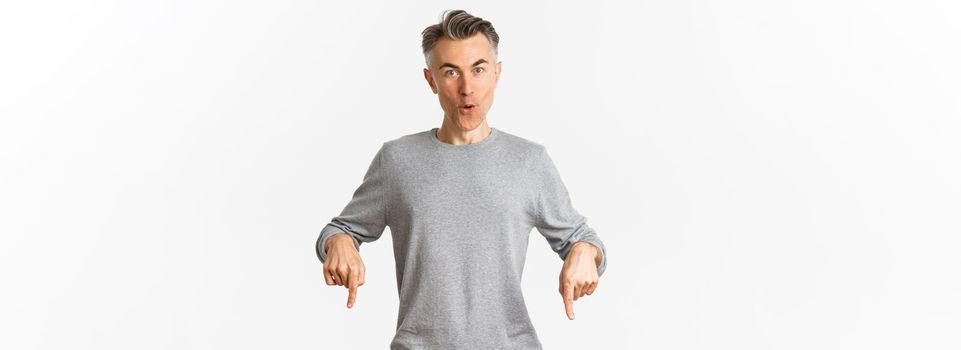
x=467 y=85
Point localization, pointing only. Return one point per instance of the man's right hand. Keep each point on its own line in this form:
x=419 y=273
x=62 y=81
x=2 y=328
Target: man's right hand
x=343 y=266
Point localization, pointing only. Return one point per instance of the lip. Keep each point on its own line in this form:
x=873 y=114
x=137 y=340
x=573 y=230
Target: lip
x=467 y=110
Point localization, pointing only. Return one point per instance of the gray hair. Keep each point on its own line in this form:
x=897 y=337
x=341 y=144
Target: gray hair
x=457 y=25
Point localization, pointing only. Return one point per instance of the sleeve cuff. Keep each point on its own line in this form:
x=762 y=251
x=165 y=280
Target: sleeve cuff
x=325 y=233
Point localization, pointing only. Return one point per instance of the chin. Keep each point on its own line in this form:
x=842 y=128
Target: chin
x=467 y=125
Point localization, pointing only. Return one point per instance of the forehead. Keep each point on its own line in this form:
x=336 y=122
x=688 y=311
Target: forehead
x=464 y=51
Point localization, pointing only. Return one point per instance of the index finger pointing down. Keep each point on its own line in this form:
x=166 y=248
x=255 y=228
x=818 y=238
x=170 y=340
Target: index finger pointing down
x=352 y=293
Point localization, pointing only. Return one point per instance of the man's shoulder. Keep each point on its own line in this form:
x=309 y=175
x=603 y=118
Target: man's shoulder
x=518 y=140
x=407 y=140
x=520 y=144
x=412 y=136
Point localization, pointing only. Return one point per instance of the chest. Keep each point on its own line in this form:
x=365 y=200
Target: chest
x=467 y=190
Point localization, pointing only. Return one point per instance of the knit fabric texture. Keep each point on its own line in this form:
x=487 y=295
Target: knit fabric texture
x=460 y=218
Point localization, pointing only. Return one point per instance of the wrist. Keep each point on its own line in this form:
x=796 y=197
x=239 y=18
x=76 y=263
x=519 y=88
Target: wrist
x=587 y=248
x=591 y=250
x=338 y=238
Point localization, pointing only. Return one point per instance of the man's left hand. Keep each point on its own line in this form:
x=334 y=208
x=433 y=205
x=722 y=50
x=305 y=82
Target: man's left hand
x=579 y=274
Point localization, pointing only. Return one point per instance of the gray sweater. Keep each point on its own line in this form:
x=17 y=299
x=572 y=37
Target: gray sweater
x=460 y=217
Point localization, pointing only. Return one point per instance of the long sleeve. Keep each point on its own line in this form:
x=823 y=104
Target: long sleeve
x=365 y=216
x=557 y=220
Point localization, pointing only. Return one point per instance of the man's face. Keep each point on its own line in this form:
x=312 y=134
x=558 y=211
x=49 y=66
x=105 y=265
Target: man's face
x=463 y=75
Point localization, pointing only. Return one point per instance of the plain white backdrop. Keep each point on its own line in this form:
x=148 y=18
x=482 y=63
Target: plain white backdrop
x=764 y=174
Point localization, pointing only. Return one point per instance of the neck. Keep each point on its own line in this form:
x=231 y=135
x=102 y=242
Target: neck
x=457 y=136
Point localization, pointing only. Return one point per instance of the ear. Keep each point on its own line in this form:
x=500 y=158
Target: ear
x=430 y=80
x=497 y=73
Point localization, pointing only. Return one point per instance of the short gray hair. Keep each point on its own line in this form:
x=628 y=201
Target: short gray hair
x=457 y=25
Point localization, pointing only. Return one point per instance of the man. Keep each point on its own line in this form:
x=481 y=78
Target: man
x=461 y=201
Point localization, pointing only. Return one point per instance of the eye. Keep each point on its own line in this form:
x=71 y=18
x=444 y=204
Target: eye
x=479 y=70
x=450 y=72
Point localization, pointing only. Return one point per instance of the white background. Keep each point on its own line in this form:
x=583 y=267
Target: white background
x=764 y=174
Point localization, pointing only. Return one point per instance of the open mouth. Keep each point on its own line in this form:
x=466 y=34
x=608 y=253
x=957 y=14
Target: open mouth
x=468 y=108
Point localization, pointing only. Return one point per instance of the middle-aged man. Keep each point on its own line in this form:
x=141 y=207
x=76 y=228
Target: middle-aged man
x=461 y=201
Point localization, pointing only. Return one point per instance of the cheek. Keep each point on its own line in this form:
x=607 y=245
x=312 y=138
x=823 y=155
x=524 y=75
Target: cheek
x=445 y=99
x=450 y=94
x=445 y=89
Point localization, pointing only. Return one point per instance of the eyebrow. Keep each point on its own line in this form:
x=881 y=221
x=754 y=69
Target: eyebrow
x=456 y=67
